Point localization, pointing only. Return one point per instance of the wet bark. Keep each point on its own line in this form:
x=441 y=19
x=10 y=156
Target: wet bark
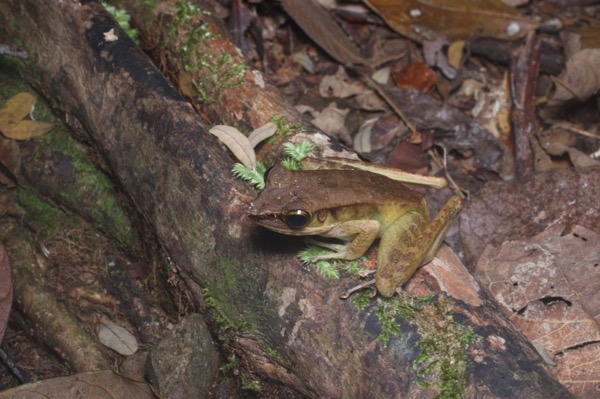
x=285 y=321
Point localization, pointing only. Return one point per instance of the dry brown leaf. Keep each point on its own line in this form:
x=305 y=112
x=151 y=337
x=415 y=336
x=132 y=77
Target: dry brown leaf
x=16 y=108
x=339 y=85
x=26 y=129
x=578 y=370
x=331 y=120
x=262 y=133
x=416 y=75
x=97 y=384
x=581 y=78
x=237 y=143
x=6 y=290
x=118 y=339
x=548 y=286
x=424 y=20
x=316 y=22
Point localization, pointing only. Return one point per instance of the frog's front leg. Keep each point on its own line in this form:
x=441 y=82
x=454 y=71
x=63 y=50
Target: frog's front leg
x=358 y=234
x=410 y=242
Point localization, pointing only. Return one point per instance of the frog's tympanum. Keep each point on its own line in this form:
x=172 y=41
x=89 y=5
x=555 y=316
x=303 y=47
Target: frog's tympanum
x=356 y=207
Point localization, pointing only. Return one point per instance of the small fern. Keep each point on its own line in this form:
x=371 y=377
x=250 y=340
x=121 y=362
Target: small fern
x=290 y=164
x=296 y=152
x=329 y=268
x=254 y=175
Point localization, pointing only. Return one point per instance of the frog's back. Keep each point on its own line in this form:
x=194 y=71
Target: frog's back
x=338 y=188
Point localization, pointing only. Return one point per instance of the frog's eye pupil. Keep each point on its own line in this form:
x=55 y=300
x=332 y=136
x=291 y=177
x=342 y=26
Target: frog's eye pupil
x=297 y=218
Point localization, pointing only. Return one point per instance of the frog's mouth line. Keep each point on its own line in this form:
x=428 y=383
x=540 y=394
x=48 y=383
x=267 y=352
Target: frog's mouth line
x=276 y=223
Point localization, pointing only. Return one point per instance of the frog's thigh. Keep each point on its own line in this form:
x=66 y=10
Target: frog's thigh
x=364 y=233
x=434 y=233
x=399 y=253
x=409 y=243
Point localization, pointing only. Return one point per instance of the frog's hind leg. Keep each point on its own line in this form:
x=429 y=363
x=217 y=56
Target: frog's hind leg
x=410 y=243
x=440 y=225
x=399 y=255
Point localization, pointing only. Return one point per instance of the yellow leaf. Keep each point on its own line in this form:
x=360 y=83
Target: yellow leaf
x=16 y=108
x=26 y=129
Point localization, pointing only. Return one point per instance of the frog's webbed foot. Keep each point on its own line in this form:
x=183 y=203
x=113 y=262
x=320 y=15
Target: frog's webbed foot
x=359 y=287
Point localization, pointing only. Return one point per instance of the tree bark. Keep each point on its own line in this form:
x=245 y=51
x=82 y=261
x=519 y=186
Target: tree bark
x=288 y=323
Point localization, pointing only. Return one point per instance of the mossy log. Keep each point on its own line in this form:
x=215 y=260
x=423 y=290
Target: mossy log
x=287 y=323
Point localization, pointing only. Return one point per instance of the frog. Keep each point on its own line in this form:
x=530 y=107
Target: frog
x=356 y=207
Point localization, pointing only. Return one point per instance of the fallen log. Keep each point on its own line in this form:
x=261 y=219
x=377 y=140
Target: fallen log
x=287 y=323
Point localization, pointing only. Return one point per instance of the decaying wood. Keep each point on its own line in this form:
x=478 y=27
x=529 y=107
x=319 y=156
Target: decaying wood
x=296 y=330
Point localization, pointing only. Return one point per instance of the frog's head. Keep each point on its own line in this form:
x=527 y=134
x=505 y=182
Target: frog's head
x=297 y=217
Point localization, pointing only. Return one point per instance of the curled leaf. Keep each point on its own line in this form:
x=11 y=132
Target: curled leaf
x=262 y=133
x=237 y=143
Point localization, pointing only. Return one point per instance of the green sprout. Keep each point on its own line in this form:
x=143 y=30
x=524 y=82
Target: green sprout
x=296 y=152
x=254 y=175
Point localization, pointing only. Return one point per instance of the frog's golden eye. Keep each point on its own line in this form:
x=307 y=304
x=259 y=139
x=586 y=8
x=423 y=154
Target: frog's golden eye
x=297 y=218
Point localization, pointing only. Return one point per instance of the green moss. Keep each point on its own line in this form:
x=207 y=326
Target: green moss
x=247 y=379
x=274 y=353
x=284 y=128
x=93 y=196
x=226 y=324
x=442 y=361
x=212 y=72
x=122 y=18
x=48 y=220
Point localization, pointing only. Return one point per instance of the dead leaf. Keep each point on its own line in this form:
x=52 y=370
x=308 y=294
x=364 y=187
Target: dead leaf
x=455 y=53
x=581 y=78
x=262 y=133
x=97 y=384
x=316 y=22
x=409 y=157
x=491 y=103
x=26 y=129
x=339 y=85
x=16 y=109
x=415 y=76
x=453 y=128
x=423 y=20
x=548 y=287
x=578 y=158
x=118 y=339
x=512 y=210
x=331 y=120
x=237 y=143
x=6 y=290
x=434 y=52
x=579 y=370
x=12 y=124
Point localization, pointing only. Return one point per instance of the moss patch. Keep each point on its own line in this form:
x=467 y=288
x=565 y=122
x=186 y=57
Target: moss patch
x=442 y=362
